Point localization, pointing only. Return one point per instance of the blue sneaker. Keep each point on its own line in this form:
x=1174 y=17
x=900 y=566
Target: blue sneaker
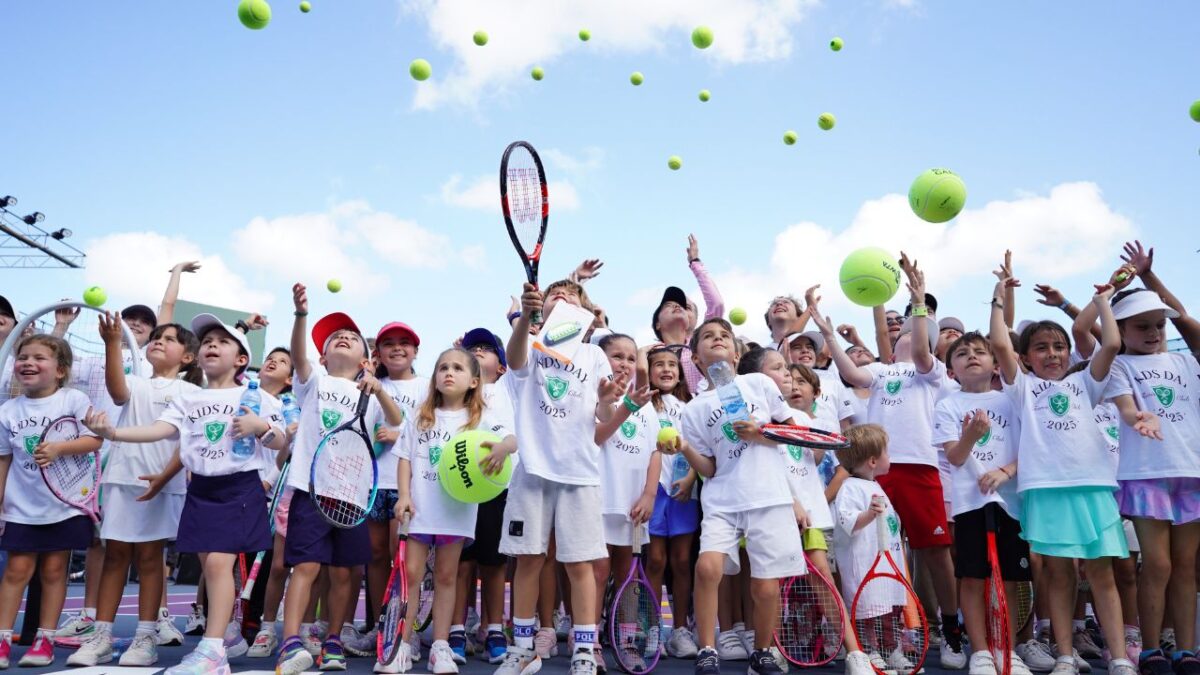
x=495 y=647
x=293 y=657
x=333 y=656
x=458 y=645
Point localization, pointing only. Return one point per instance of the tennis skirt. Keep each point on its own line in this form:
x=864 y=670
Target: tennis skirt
x=1074 y=522
x=72 y=534
x=128 y=520
x=224 y=514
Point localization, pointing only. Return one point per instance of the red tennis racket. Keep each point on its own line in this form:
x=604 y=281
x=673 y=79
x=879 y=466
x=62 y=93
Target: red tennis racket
x=998 y=634
x=395 y=603
x=525 y=201
x=812 y=620
x=792 y=434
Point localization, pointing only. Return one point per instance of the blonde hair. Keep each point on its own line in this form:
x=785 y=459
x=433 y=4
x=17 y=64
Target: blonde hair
x=473 y=401
x=59 y=347
x=584 y=301
x=867 y=441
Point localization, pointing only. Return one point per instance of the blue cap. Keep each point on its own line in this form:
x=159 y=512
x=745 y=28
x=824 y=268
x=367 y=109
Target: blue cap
x=483 y=336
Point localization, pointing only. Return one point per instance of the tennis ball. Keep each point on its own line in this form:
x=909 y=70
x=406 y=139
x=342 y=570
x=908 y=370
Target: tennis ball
x=1195 y=111
x=937 y=195
x=95 y=296
x=480 y=37
x=789 y=137
x=826 y=121
x=537 y=73
x=836 y=44
x=705 y=95
x=585 y=35
x=636 y=78
x=702 y=37
x=674 y=162
x=870 y=276
x=305 y=7
x=334 y=285
x=254 y=14
x=420 y=70
x=667 y=435
x=737 y=316
x=461 y=475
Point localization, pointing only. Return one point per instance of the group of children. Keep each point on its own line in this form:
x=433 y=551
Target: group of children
x=948 y=430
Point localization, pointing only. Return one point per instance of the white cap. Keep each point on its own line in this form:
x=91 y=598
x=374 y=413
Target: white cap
x=1140 y=302
x=951 y=323
x=931 y=329
x=817 y=340
x=202 y=323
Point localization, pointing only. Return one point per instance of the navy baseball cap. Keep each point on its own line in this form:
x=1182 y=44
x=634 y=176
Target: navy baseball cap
x=483 y=336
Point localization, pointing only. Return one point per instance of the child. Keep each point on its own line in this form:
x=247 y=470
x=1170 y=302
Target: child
x=133 y=530
x=978 y=427
x=746 y=495
x=40 y=530
x=454 y=404
x=1068 y=510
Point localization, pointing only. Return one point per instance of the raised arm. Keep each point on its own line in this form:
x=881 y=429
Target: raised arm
x=588 y=269
x=114 y=363
x=922 y=355
x=1010 y=293
x=299 y=342
x=855 y=375
x=1110 y=336
x=1143 y=261
x=166 y=311
x=714 y=305
x=517 y=351
x=1002 y=346
x=883 y=340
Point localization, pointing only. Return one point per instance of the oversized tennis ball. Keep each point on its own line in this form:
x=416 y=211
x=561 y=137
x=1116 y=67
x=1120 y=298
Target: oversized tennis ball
x=95 y=296
x=702 y=37
x=537 y=73
x=789 y=137
x=674 y=162
x=870 y=276
x=737 y=316
x=667 y=435
x=585 y=35
x=305 y=7
x=705 y=95
x=334 y=286
x=636 y=78
x=420 y=70
x=254 y=14
x=826 y=121
x=836 y=44
x=937 y=195
x=480 y=37
x=461 y=475
x=1195 y=111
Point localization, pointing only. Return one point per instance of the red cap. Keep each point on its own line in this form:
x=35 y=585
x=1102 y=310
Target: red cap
x=404 y=329
x=330 y=324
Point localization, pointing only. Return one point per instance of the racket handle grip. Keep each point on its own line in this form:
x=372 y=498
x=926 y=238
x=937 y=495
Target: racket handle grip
x=881 y=529
x=536 y=317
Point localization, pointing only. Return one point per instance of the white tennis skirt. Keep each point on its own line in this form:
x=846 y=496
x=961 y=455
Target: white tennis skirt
x=124 y=518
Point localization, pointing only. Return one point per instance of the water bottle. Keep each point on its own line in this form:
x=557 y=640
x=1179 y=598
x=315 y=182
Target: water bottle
x=291 y=410
x=243 y=448
x=722 y=376
x=679 y=471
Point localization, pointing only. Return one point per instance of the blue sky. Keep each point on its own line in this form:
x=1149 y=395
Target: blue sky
x=304 y=151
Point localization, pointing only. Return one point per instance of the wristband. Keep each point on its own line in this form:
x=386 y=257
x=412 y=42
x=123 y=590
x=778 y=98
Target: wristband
x=1006 y=473
x=693 y=260
x=920 y=310
x=1065 y=304
x=513 y=317
x=997 y=303
x=242 y=326
x=629 y=404
x=300 y=313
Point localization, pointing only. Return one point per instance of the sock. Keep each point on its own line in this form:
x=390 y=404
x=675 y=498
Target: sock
x=268 y=626
x=216 y=644
x=164 y=613
x=143 y=628
x=1077 y=624
x=458 y=628
x=523 y=633
x=89 y=612
x=6 y=636
x=495 y=628
x=585 y=636
x=104 y=626
x=951 y=631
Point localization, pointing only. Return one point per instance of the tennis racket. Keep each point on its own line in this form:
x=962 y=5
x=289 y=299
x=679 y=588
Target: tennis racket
x=424 y=615
x=280 y=486
x=887 y=617
x=395 y=603
x=525 y=201
x=1024 y=600
x=635 y=622
x=812 y=620
x=73 y=479
x=791 y=434
x=998 y=636
x=343 y=477
x=234 y=630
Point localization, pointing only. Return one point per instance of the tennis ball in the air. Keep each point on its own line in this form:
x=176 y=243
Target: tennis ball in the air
x=305 y=7
x=95 y=296
x=334 y=285
x=667 y=435
x=674 y=162
x=585 y=35
x=826 y=121
x=480 y=37
x=1195 y=111
x=737 y=316
x=537 y=73
x=705 y=95
x=461 y=475
x=937 y=195
x=836 y=44
x=702 y=37
x=789 y=137
x=636 y=78
x=420 y=70
x=254 y=14
x=870 y=276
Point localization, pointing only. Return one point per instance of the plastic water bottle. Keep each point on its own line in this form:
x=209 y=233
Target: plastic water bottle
x=291 y=410
x=243 y=448
x=722 y=376
x=679 y=471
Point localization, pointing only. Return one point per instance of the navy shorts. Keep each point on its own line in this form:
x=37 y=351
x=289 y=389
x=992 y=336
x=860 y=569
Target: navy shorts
x=72 y=534
x=672 y=518
x=310 y=538
x=383 y=509
x=224 y=514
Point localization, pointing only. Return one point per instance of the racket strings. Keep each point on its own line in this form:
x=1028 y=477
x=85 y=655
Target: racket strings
x=888 y=622
x=635 y=623
x=524 y=198
x=810 y=627
x=72 y=477
x=342 y=478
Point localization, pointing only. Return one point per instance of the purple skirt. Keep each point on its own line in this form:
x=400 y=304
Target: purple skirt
x=224 y=514
x=72 y=534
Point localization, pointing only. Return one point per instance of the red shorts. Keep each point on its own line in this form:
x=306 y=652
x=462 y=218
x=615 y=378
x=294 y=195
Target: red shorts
x=915 y=491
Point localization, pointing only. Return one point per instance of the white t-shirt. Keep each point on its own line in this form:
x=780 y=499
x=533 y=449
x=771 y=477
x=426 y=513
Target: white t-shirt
x=748 y=475
x=325 y=402
x=204 y=421
x=148 y=400
x=997 y=448
x=1060 y=446
x=1108 y=418
x=436 y=511
x=409 y=395
x=902 y=401
x=856 y=551
x=803 y=479
x=1166 y=385
x=672 y=416
x=834 y=399
x=625 y=460
x=860 y=408
x=27 y=500
x=554 y=409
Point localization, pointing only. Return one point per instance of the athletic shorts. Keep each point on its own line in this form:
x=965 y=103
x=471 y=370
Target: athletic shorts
x=915 y=491
x=772 y=541
x=1175 y=500
x=383 y=509
x=970 y=546
x=489 y=522
x=311 y=538
x=536 y=506
x=618 y=531
x=672 y=517
x=435 y=540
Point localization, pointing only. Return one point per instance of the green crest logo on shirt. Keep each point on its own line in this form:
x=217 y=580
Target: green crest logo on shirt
x=31 y=443
x=987 y=436
x=893 y=387
x=556 y=387
x=213 y=431
x=729 y=432
x=1113 y=433
x=330 y=418
x=664 y=423
x=1060 y=403
x=1166 y=395
x=628 y=429
x=128 y=369
x=435 y=453
x=796 y=452
x=893 y=525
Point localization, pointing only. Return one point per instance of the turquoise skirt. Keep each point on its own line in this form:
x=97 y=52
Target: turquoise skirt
x=1074 y=522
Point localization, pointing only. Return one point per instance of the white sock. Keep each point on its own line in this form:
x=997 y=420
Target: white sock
x=495 y=627
x=458 y=628
x=216 y=643
x=89 y=612
x=145 y=628
x=104 y=626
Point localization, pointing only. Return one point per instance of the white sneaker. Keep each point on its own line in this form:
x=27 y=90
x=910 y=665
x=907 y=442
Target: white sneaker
x=167 y=635
x=982 y=663
x=1121 y=667
x=1036 y=656
x=312 y=637
x=730 y=647
x=401 y=664
x=348 y=633
x=1017 y=665
x=544 y=643
x=95 y=650
x=877 y=661
x=955 y=660
x=898 y=662
x=583 y=662
x=747 y=637
x=264 y=644
x=235 y=644
x=142 y=652
x=361 y=644
x=75 y=626
x=1080 y=664
x=1064 y=665
x=682 y=644
x=858 y=663
x=196 y=621
x=441 y=658
x=519 y=661
x=778 y=658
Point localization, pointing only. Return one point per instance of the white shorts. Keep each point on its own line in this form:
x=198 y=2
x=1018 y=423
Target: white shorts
x=126 y=519
x=1131 y=536
x=536 y=506
x=772 y=541
x=618 y=531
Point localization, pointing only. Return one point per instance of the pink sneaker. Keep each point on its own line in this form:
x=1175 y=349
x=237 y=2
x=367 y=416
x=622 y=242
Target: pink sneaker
x=5 y=651
x=40 y=654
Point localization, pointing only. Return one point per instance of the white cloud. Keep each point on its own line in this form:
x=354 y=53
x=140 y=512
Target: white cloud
x=483 y=194
x=557 y=159
x=536 y=32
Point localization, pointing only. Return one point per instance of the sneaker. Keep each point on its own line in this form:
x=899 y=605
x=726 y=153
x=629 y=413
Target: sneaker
x=472 y=623
x=293 y=658
x=1166 y=640
x=494 y=647
x=196 y=621
x=363 y=644
x=982 y=663
x=458 y=646
x=598 y=658
x=97 y=649
x=762 y=663
x=1121 y=667
x=780 y=661
x=730 y=647
x=264 y=644
x=1083 y=643
x=1080 y=663
x=747 y=638
x=414 y=646
x=1154 y=662
x=1036 y=656
x=441 y=659
x=310 y=637
x=1064 y=665
x=898 y=662
x=235 y=642
x=1133 y=643
x=708 y=662
x=167 y=635
x=1017 y=665
x=519 y=661
x=1093 y=630
x=935 y=635
x=629 y=657
x=858 y=663
x=401 y=664
x=333 y=656
x=142 y=652
x=584 y=662
x=348 y=633
x=955 y=659
x=40 y=654
x=5 y=651
x=1186 y=663
x=877 y=661
x=76 y=625
x=562 y=624
x=544 y=643
x=682 y=644
x=204 y=660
